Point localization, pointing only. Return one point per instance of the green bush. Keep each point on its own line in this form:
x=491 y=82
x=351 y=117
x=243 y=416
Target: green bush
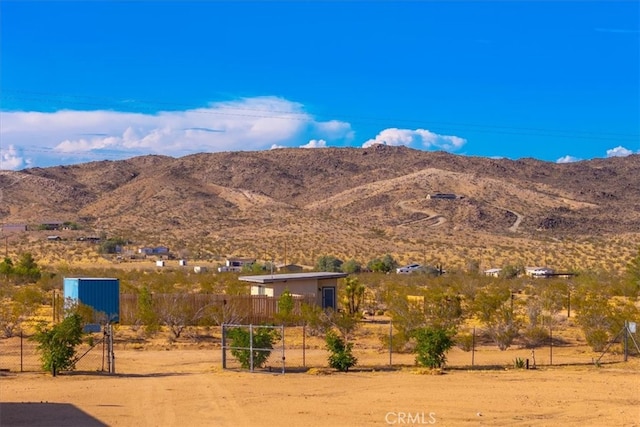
x=341 y=357
x=57 y=344
x=263 y=339
x=431 y=346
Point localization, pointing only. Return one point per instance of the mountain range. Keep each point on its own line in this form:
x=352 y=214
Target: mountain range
x=293 y=205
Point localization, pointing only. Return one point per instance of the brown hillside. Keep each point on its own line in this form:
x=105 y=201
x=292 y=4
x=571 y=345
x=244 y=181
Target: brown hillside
x=355 y=203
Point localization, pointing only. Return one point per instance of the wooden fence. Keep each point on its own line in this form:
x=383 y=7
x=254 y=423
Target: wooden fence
x=247 y=309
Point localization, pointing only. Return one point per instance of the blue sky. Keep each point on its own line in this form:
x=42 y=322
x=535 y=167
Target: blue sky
x=83 y=81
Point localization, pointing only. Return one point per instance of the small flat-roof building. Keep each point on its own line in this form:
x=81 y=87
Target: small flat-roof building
x=322 y=286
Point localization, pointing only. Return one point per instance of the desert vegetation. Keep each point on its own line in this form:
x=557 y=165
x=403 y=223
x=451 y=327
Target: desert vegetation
x=430 y=312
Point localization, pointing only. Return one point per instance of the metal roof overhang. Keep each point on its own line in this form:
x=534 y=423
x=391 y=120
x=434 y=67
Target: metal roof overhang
x=274 y=278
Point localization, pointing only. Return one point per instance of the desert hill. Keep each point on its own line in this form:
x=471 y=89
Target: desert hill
x=351 y=202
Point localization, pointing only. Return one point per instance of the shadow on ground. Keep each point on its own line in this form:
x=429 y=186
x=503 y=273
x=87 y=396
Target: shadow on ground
x=35 y=414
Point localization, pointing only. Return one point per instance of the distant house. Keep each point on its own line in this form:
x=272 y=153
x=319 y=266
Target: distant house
x=493 y=272
x=236 y=264
x=445 y=196
x=159 y=250
x=54 y=238
x=13 y=228
x=538 y=272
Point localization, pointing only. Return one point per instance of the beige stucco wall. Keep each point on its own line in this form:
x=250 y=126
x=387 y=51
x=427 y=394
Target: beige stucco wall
x=298 y=287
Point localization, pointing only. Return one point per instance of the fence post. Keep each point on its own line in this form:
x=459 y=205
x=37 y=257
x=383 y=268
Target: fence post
x=283 y=357
x=104 y=347
x=390 y=342
x=304 y=346
x=21 y=351
x=113 y=356
x=473 y=346
x=224 y=348
x=251 y=347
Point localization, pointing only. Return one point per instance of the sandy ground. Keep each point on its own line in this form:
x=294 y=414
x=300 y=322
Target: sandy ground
x=189 y=388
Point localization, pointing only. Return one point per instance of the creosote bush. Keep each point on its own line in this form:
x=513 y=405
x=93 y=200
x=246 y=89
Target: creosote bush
x=432 y=345
x=341 y=356
x=263 y=339
x=57 y=345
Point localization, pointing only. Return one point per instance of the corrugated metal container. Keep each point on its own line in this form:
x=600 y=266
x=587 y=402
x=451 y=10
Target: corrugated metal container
x=102 y=294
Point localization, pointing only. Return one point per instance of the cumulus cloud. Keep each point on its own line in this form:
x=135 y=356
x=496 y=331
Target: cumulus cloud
x=245 y=124
x=11 y=159
x=315 y=143
x=619 y=151
x=568 y=159
x=418 y=138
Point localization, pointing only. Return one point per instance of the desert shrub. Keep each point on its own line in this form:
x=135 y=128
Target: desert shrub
x=21 y=305
x=328 y=263
x=597 y=338
x=57 y=344
x=386 y=264
x=146 y=313
x=535 y=336
x=315 y=320
x=464 y=341
x=495 y=306
x=400 y=342
x=341 y=353
x=432 y=345
x=352 y=266
x=519 y=363
x=285 y=314
x=263 y=339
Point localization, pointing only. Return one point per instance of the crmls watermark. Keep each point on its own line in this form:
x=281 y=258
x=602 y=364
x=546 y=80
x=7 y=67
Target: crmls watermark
x=410 y=418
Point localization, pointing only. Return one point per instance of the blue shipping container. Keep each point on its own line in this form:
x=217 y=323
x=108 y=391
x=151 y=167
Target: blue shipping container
x=102 y=294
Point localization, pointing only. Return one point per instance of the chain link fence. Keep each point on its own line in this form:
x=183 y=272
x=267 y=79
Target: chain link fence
x=20 y=354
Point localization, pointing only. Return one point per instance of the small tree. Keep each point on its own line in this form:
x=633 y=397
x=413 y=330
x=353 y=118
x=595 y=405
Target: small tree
x=57 y=344
x=352 y=266
x=146 y=313
x=6 y=267
x=432 y=345
x=341 y=353
x=328 y=263
x=386 y=264
x=23 y=304
x=354 y=295
x=503 y=327
x=263 y=339
x=285 y=314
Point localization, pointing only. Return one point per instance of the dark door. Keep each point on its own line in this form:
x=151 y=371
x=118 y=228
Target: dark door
x=329 y=298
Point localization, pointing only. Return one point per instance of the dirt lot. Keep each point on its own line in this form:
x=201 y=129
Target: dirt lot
x=188 y=387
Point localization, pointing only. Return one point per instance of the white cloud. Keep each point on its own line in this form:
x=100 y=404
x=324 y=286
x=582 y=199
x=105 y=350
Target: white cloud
x=315 y=143
x=10 y=159
x=619 y=151
x=568 y=159
x=421 y=138
x=245 y=124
